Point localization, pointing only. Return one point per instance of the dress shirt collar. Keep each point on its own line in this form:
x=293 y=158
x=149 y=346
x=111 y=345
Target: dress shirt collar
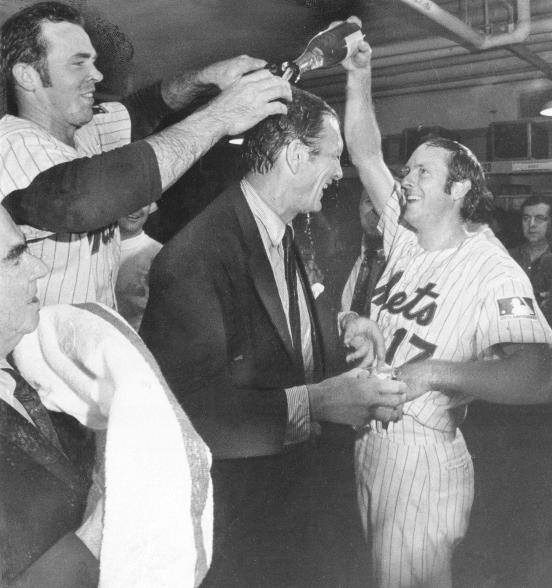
x=273 y=224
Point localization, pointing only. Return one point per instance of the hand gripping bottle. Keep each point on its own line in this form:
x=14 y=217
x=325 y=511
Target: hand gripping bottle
x=325 y=49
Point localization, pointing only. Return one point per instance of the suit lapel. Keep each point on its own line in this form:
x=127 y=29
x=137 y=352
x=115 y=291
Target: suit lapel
x=261 y=271
x=18 y=431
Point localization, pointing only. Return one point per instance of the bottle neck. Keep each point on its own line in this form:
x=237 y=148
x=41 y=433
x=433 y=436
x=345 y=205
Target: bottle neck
x=310 y=60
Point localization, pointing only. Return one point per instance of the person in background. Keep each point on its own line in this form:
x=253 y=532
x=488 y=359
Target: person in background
x=69 y=167
x=137 y=253
x=358 y=290
x=534 y=255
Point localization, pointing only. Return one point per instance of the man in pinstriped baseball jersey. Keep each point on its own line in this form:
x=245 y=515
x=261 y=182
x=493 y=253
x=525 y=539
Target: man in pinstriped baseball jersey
x=83 y=173
x=459 y=320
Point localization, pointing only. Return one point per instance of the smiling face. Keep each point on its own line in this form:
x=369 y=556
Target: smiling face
x=535 y=223
x=67 y=96
x=423 y=185
x=131 y=224
x=319 y=168
x=19 y=271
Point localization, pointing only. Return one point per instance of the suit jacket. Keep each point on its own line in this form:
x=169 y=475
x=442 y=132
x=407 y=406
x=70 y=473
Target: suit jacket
x=42 y=499
x=216 y=325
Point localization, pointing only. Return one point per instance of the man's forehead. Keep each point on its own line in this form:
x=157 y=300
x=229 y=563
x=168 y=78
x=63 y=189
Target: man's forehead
x=429 y=155
x=540 y=208
x=66 y=37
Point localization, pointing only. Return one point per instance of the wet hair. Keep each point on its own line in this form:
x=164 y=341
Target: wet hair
x=304 y=121
x=21 y=39
x=537 y=199
x=463 y=165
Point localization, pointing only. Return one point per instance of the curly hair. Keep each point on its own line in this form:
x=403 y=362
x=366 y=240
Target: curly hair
x=463 y=165
x=304 y=121
x=21 y=39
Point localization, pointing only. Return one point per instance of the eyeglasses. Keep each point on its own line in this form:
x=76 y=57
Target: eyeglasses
x=538 y=218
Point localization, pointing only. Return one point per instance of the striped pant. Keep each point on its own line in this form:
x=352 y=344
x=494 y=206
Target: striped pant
x=415 y=502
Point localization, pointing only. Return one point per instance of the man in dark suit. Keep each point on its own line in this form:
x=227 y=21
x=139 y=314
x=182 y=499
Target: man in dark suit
x=232 y=323
x=42 y=495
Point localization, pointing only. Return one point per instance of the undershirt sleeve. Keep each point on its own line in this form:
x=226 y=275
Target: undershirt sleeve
x=88 y=193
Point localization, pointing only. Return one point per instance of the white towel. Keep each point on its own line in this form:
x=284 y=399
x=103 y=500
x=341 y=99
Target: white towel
x=157 y=529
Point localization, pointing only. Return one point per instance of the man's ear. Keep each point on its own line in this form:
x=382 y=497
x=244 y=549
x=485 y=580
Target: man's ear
x=296 y=154
x=459 y=189
x=26 y=76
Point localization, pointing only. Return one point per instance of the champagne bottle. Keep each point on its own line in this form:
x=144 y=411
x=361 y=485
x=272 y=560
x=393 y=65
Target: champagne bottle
x=325 y=49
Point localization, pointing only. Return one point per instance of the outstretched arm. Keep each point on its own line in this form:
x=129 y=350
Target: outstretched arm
x=522 y=376
x=92 y=192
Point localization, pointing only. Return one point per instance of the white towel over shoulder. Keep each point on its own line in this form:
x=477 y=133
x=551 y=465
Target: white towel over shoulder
x=157 y=529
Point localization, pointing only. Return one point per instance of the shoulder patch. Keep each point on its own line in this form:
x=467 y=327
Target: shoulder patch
x=516 y=307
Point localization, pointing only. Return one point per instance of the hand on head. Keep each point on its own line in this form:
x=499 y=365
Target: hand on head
x=249 y=99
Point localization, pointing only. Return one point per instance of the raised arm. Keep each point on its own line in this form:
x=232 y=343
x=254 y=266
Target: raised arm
x=522 y=376
x=362 y=133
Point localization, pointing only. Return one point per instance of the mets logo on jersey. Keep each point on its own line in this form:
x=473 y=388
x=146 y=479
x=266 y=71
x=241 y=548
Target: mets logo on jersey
x=516 y=307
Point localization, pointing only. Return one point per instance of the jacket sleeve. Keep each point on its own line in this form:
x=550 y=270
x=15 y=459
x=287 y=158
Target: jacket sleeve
x=88 y=193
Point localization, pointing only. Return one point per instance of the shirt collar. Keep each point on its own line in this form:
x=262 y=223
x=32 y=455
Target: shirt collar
x=274 y=225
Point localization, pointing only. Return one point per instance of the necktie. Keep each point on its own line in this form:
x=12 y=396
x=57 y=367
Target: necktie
x=30 y=400
x=368 y=276
x=291 y=279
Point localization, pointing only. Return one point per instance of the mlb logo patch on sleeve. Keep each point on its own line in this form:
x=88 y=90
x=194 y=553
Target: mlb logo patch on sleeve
x=516 y=307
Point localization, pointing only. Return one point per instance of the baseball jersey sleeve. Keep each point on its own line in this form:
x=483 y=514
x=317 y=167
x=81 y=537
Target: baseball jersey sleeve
x=25 y=152
x=509 y=312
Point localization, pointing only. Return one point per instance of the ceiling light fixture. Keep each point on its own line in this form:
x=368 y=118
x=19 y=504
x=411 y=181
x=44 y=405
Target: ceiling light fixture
x=546 y=109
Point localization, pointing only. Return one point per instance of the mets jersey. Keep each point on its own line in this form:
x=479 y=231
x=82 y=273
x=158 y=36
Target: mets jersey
x=82 y=267
x=451 y=304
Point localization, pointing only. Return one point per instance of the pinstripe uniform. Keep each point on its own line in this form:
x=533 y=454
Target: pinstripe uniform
x=82 y=266
x=415 y=479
